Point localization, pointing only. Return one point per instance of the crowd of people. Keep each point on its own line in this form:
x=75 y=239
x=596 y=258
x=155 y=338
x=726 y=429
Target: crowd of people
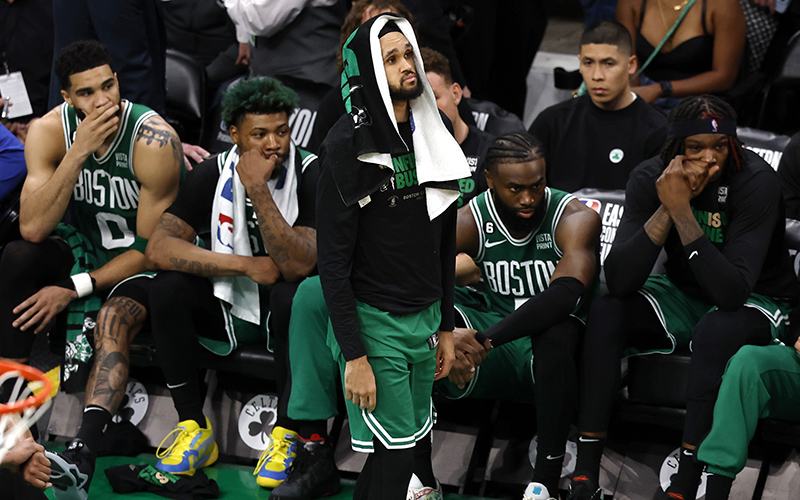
x=402 y=251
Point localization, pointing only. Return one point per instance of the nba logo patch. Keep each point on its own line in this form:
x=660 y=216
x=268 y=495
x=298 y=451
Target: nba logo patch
x=714 y=125
x=591 y=203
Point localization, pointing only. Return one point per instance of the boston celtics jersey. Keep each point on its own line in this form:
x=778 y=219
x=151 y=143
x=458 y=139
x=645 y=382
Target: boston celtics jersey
x=515 y=270
x=106 y=195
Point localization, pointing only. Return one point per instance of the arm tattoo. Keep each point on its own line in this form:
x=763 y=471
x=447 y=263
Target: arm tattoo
x=152 y=134
x=195 y=267
x=174 y=226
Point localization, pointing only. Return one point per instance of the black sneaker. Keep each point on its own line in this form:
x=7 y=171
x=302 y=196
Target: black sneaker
x=71 y=471
x=581 y=489
x=313 y=475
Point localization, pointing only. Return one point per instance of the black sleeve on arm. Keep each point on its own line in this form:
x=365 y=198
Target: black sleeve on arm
x=728 y=277
x=448 y=269
x=633 y=253
x=336 y=239
x=538 y=313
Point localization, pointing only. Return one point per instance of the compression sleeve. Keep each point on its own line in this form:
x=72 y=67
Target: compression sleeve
x=633 y=253
x=728 y=276
x=538 y=313
x=337 y=231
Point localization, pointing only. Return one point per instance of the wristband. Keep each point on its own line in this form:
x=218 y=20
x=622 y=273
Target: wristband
x=666 y=88
x=84 y=284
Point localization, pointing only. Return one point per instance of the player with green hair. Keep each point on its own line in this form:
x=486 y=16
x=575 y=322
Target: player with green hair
x=258 y=96
x=260 y=199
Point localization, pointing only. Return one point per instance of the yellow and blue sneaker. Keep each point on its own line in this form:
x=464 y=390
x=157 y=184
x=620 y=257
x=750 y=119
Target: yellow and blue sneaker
x=193 y=448
x=276 y=460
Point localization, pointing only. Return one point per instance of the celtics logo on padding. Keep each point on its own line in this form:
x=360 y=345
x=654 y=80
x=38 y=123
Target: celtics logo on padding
x=134 y=403
x=256 y=420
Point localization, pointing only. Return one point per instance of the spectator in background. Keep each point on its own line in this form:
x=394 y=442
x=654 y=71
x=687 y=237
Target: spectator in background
x=497 y=49
x=701 y=57
x=202 y=29
x=595 y=140
x=133 y=31
x=26 y=45
x=473 y=141
x=295 y=42
x=598 y=10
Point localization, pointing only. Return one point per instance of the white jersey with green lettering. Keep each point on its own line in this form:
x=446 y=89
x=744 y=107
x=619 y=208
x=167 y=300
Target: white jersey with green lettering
x=515 y=270
x=106 y=195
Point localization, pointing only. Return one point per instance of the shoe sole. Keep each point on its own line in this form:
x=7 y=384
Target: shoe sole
x=65 y=486
x=269 y=483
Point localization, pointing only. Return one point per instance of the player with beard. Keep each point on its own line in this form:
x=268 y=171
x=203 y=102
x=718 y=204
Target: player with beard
x=386 y=242
x=537 y=249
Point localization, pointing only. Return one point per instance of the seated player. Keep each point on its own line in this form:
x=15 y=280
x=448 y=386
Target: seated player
x=717 y=211
x=260 y=200
x=118 y=164
x=759 y=382
x=558 y=243
x=537 y=249
x=474 y=142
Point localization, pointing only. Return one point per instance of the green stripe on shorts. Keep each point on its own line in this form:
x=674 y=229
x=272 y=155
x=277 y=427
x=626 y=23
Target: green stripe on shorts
x=679 y=312
x=403 y=365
